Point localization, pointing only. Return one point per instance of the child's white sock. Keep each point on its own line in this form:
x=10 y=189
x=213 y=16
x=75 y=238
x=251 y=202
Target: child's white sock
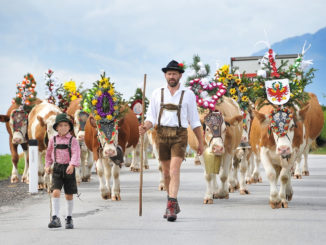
x=70 y=206
x=55 y=206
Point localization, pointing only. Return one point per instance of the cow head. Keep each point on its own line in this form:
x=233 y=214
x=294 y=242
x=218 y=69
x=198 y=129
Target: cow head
x=107 y=134
x=18 y=125
x=48 y=124
x=215 y=128
x=281 y=123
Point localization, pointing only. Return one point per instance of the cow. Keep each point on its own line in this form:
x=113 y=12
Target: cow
x=83 y=173
x=313 y=122
x=277 y=146
x=40 y=127
x=222 y=134
x=16 y=121
x=152 y=134
x=103 y=151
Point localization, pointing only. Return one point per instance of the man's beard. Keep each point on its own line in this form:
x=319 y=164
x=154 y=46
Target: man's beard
x=173 y=83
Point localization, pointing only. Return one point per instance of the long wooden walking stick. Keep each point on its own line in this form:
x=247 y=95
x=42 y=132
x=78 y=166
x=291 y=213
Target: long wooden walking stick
x=142 y=153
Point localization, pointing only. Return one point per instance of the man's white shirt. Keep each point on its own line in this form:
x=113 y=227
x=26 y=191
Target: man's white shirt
x=189 y=113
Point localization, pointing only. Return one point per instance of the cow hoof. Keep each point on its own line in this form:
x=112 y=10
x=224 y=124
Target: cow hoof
x=106 y=196
x=88 y=179
x=116 y=197
x=289 y=197
x=133 y=169
x=248 y=182
x=298 y=176
x=285 y=204
x=260 y=180
x=14 y=179
x=244 y=192
x=231 y=189
x=208 y=201
x=215 y=196
x=197 y=163
x=127 y=164
x=161 y=187
x=253 y=180
x=41 y=186
x=237 y=187
x=305 y=173
x=224 y=196
x=275 y=204
x=146 y=167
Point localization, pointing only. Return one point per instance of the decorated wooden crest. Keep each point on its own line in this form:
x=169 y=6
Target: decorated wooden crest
x=214 y=121
x=278 y=91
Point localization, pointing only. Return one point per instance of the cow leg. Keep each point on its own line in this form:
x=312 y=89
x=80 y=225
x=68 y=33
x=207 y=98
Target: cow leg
x=116 y=183
x=135 y=166
x=14 y=159
x=250 y=168
x=255 y=178
x=101 y=172
x=208 y=199
x=285 y=187
x=41 y=176
x=25 y=173
x=297 y=171
x=305 y=170
x=89 y=167
x=197 y=160
x=128 y=160
x=233 y=174
x=243 y=170
x=82 y=168
x=272 y=176
x=223 y=192
x=161 y=186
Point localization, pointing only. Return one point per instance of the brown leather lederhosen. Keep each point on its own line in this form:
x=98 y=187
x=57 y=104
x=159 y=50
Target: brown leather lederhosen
x=171 y=141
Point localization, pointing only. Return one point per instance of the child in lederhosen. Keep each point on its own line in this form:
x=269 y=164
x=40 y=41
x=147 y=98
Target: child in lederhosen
x=64 y=151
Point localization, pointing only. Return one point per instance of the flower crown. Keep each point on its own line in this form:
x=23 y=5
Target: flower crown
x=236 y=85
x=26 y=93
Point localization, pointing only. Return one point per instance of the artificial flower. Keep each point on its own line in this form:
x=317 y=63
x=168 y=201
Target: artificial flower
x=233 y=91
x=242 y=89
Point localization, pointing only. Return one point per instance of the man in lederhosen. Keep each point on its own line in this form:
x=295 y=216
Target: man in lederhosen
x=171 y=108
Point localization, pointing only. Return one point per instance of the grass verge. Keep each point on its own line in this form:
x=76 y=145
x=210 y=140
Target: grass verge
x=6 y=166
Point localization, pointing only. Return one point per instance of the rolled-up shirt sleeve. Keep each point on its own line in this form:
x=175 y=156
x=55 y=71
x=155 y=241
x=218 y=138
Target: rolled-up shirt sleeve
x=49 y=151
x=75 y=153
x=151 y=114
x=193 y=117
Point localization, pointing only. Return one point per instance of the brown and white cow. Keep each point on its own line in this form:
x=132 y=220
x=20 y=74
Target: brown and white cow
x=313 y=122
x=221 y=140
x=40 y=127
x=16 y=123
x=83 y=173
x=277 y=148
x=128 y=136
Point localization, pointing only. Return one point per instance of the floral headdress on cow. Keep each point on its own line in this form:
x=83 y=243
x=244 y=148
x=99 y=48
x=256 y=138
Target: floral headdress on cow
x=104 y=102
x=208 y=91
x=237 y=86
x=283 y=84
x=68 y=92
x=26 y=93
x=136 y=101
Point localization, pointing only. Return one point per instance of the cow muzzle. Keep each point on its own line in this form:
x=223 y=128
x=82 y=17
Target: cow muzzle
x=109 y=152
x=284 y=151
x=217 y=149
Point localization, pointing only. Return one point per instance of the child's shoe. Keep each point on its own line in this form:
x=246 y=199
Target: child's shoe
x=69 y=223
x=55 y=222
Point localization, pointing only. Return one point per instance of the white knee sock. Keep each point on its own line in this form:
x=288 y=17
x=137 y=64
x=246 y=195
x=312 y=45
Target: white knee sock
x=55 y=206
x=70 y=206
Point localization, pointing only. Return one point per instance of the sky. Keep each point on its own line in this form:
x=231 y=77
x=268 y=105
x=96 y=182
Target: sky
x=128 y=38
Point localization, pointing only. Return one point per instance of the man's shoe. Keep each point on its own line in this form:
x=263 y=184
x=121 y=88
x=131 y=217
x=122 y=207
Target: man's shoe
x=176 y=211
x=55 y=222
x=171 y=214
x=69 y=223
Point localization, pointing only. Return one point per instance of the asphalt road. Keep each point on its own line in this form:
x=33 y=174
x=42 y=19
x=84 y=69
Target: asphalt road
x=239 y=220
